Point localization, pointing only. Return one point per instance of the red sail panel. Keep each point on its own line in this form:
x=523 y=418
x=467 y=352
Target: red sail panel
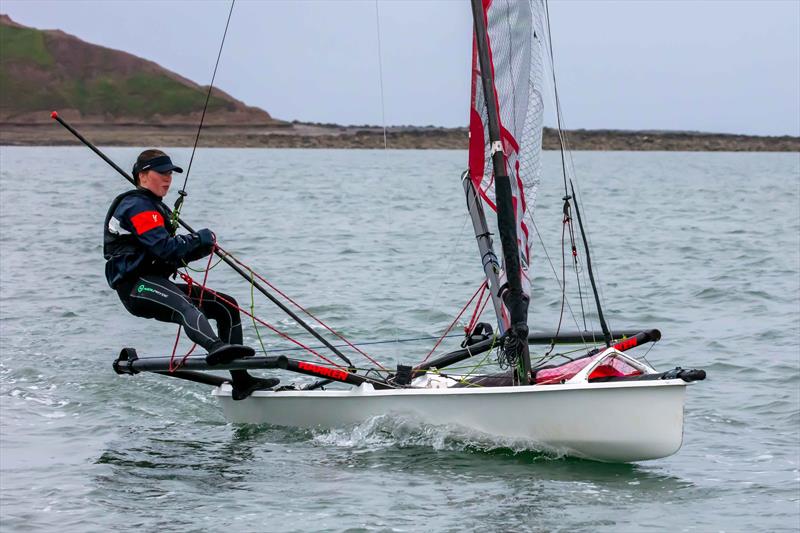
x=516 y=38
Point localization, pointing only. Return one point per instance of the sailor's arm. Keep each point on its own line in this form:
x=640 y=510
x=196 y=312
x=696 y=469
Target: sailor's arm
x=147 y=224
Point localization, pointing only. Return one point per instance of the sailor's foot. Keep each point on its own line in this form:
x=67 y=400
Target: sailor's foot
x=222 y=353
x=244 y=388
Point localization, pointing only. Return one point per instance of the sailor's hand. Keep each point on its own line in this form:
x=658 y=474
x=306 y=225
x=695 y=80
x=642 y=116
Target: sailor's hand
x=207 y=238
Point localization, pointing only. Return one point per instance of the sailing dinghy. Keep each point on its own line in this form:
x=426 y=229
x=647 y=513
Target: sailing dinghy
x=603 y=404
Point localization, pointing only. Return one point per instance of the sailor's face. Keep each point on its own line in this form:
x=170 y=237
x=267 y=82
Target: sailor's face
x=156 y=182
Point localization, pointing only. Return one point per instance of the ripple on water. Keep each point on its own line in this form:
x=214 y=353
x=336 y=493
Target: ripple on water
x=85 y=449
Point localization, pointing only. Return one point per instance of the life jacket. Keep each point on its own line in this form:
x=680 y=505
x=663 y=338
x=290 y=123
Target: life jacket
x=125 y=256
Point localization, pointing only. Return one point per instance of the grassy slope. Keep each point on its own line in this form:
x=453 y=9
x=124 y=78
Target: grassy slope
x=24 y=44
x=140 y=95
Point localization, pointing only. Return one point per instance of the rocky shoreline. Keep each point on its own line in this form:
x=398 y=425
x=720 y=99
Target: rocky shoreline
x=307 y=135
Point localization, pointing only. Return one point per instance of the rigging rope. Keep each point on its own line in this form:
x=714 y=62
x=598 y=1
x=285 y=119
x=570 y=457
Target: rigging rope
x=564 y=141
x=380 y=73
x=297 y=305
x=553 y=269
x=563 y=277
x=557 y=101
x=189 y=283
x=272 y=328
x=564 y=152
x=253 y=311
x=386 y=341
x=182 y=192
x=453 y=323
x=568 y=217
x=566 y=224
x=480 y=364
x=479 y=307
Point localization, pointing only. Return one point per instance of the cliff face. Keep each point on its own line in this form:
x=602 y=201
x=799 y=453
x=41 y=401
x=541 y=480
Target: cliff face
x=43 y=70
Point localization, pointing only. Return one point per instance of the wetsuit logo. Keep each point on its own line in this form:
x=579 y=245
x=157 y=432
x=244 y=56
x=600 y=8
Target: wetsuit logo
x=143 y=288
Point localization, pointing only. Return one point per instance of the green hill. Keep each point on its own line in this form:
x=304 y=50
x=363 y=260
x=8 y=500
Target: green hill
x=43 y=70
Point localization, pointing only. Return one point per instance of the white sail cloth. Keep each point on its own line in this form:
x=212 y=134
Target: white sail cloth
x=516 y=40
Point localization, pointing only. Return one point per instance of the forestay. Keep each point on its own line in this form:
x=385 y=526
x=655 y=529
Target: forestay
x=515 y=31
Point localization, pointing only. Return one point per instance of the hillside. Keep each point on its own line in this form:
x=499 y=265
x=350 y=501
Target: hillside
x=116 y=98
x=42 y=70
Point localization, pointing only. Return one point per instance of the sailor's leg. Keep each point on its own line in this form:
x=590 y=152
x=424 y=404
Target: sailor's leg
x=224 y=310
x=221 y=308
x=157 y=297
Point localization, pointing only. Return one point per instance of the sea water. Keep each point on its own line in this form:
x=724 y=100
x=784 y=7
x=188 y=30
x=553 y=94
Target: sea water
x=704 y=246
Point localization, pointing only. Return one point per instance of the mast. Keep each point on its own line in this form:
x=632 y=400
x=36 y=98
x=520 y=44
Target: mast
x=491 y=266
x=515 y=341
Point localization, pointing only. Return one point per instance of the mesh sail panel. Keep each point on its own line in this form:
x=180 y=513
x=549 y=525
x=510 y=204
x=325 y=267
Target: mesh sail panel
x=515 y=30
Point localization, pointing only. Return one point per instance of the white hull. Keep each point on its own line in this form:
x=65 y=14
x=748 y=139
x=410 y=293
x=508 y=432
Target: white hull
x=614 y=422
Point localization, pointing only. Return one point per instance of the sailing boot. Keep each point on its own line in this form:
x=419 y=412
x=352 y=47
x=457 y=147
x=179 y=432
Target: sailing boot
x=244 y=384
x=222 y=352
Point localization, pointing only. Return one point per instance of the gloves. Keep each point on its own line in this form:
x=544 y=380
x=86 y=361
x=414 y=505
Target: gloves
x=207 y=238
x=203 y=246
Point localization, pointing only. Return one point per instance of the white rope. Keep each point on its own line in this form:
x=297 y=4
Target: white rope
x=380 y=72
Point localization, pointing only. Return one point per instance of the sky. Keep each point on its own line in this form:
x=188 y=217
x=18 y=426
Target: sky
x=723 y=66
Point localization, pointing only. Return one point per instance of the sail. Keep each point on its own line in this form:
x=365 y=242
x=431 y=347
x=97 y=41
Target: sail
x=515 y=35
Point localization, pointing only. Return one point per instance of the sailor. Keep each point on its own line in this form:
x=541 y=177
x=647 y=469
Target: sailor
x=142 y=252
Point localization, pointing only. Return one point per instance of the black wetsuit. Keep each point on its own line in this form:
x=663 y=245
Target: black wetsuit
x=141 y=254
x=152 y=296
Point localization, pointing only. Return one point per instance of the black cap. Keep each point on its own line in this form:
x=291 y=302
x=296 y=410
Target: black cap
x=160 y=164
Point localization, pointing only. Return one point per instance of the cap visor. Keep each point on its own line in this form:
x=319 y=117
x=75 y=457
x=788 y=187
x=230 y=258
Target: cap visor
x=167 y=167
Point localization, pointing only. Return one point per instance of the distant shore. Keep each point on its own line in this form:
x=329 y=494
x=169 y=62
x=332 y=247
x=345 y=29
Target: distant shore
x=307 y=135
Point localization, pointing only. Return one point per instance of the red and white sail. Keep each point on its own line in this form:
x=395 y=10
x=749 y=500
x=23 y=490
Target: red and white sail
x=516 y=42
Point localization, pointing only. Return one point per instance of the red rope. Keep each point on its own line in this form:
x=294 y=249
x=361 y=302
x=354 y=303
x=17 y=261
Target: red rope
x=453 y=323
x=172 y=366
x=486 y=301
x=189 y=281
x=304 y=310
x=478 y=310
x=270 y=326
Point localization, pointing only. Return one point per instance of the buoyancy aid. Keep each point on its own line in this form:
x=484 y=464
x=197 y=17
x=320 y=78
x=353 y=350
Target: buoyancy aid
x=137 y=239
